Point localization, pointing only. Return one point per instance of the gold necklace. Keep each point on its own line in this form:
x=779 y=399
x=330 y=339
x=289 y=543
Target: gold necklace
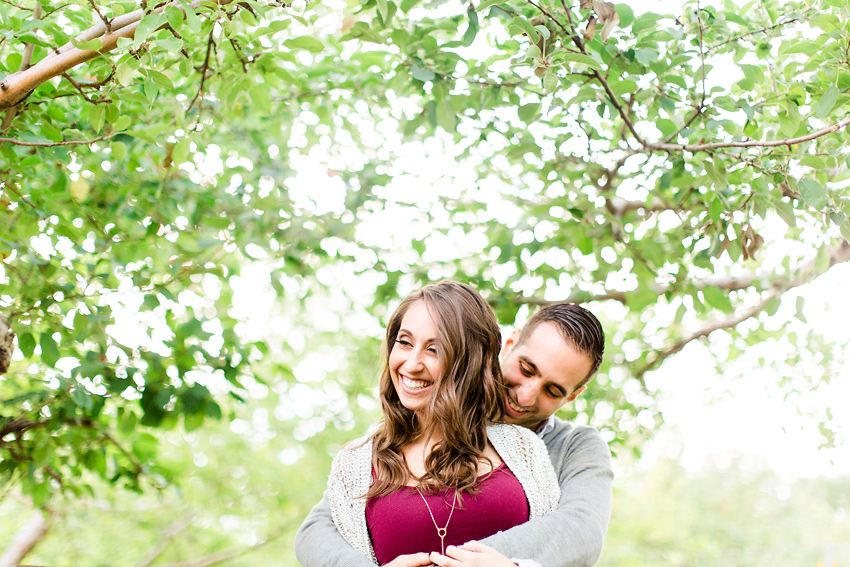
x=440 y=531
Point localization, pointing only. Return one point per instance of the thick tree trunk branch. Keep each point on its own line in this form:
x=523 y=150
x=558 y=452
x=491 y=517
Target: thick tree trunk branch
x=28 y=535
x=26 y=60
x=17 y=86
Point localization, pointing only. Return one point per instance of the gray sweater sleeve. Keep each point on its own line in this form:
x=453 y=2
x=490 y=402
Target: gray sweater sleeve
x=319 y=544
x=572 y=535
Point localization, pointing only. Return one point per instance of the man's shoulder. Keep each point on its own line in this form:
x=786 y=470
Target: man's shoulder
x=565 y=435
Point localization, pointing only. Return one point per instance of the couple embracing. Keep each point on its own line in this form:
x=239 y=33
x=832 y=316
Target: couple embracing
x=468 y=466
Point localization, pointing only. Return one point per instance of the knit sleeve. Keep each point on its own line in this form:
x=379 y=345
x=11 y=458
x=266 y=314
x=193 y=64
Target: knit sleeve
x=347 y=486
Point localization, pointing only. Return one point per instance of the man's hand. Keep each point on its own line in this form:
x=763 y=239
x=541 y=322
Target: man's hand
x=471 y=554
x=412 y=560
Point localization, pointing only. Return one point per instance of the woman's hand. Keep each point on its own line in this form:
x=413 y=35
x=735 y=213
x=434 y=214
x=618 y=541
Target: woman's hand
x=471 y=554
x=412 y=560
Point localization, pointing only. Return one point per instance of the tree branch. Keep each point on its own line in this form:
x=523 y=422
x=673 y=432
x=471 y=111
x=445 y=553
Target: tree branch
x=746 y=144
x=17 y=86
x=804 y=274
x=761 y=30
x=25 y=63
x=664 y=354
x=204 y=68
x=799 y=275
x=170 y=533
x=223 y=556
x=54 y=144
x=26 y=538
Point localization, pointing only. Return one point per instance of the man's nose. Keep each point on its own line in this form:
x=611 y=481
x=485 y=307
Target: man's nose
x=526 y=394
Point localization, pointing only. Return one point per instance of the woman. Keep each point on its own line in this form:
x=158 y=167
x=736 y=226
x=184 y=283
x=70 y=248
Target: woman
x=438 y=471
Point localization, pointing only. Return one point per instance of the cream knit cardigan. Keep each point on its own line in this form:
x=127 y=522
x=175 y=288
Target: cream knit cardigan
x=351 y=475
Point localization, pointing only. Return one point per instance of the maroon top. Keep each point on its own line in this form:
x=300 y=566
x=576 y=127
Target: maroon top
x=399 y=523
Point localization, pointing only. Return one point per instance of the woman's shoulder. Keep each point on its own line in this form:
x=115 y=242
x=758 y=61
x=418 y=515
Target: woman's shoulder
x=507 y=433
x=354 y=453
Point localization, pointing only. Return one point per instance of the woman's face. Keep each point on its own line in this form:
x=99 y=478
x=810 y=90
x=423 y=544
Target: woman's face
x=415 y=365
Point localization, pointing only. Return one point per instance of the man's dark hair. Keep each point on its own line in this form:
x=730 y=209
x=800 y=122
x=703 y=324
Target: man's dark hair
x=579 y=327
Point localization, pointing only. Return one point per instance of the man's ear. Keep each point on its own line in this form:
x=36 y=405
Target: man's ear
x=576 y=393
x=510 y=342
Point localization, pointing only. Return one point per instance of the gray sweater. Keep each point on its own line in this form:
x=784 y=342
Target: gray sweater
x=570 y=536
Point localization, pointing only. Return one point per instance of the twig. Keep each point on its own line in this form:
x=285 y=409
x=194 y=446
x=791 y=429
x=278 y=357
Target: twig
x=662 y=355
x=747 y=143
x=204 y=68
x=130 y=457
x=54 y=144
x=548 y=15
x=80 y=86
x=804 y=273
x=223 y=556
x=170 y=533
x=105 y=21
x=761 y=30
x=11 y=186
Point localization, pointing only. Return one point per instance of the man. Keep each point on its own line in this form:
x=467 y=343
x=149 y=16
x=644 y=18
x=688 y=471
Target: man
x=545 y=365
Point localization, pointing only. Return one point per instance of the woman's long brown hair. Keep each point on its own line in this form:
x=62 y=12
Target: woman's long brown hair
x=469 y=395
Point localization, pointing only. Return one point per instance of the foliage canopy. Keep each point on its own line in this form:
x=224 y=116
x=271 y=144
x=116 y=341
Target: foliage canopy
x=679 y=174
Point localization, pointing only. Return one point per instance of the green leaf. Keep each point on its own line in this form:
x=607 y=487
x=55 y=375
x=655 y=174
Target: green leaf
x=813 y=193
x=49 y=350
x=627 y=15
x=26 y=342
x=124 y=74
x=717 y=298
x=789 y=122
x=149 y=24
x=581 y=58
x=484 y=4
x=193 y=22
x=422 y=74
x=785 y=212
x=261 y=98
x=827 y=22
x=382 y=9
x=645 y=55
x=160 y=79
x=174 y=15
x=90 y=45
x=827 y=101
x=528 y=112
x=526 y=27
x=407 y=5
x=308 y=43
x=845 y=230
x=170 y=43
x=801 y=302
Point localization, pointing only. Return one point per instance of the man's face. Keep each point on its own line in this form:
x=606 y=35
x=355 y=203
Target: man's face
x=541 y=374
